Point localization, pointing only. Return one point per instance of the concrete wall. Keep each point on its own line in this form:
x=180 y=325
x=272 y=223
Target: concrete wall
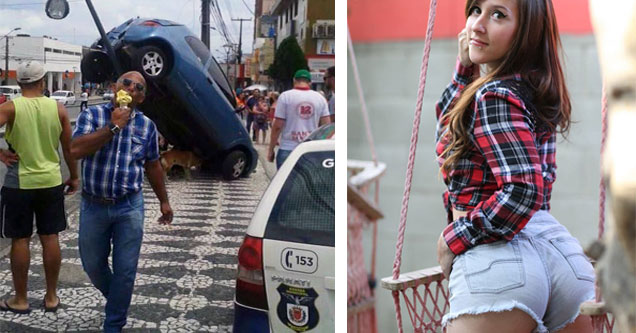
x=389 y=72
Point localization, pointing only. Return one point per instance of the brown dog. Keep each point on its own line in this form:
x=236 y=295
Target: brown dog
x=184 y=159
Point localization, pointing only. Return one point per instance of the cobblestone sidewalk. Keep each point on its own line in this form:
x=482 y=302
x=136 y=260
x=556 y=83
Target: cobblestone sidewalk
x=186 y=276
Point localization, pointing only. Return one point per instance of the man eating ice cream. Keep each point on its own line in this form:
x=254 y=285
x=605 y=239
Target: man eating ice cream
x=116 y=142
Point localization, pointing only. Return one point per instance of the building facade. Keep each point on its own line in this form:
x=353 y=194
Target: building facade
x=61 y=60
x=312 y=22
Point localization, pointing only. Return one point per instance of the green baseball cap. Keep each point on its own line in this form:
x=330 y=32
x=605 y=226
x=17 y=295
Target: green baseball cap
x=302 y=74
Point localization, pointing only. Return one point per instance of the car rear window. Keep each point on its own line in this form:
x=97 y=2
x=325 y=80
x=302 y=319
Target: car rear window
x=206 y=59
x=304 y=209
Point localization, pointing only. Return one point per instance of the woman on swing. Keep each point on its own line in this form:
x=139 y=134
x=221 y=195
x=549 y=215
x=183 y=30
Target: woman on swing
x=511 y=266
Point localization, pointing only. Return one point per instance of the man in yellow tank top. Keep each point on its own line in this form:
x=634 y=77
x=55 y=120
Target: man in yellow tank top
x=36 y=125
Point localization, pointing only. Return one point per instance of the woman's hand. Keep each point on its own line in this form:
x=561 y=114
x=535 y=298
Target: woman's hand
x=444 y=256
x=463 y=49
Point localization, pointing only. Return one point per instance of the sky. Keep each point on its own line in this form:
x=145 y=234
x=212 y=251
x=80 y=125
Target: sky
x=79 y=28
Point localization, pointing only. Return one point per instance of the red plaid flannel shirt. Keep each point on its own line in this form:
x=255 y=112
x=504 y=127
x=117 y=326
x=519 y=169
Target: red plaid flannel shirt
x=507 y=175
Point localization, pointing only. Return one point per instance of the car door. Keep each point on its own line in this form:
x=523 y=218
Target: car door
x=298 y=248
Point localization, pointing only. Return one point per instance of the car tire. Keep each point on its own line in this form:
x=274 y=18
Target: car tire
x=152 y=62
x=96 y=66
x=234 y=165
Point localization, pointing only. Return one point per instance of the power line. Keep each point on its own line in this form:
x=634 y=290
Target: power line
x=230 y=10
x=217 y=17
x=248 y=8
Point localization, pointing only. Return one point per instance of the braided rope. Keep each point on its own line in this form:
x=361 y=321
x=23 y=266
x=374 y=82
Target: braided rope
x=363 y=103
x=602 y=194
x=601 y=218
x=411 y=162
x=413 y=146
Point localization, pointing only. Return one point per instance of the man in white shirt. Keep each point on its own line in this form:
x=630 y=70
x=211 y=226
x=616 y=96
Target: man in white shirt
x=84 y=100
x=299 y=112
x=330 y=82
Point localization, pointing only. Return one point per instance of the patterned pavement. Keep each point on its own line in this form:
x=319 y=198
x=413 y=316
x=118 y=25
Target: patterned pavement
x=186 y=276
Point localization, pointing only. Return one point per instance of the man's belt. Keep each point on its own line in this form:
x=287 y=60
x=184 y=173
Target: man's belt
x=105 y=201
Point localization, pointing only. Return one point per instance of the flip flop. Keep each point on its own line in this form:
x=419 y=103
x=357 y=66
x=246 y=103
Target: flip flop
x=52 y=308
x=4 y=306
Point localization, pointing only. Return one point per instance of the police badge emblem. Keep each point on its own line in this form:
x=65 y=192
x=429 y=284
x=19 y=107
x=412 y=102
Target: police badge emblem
x=297 y=314
x=296 y=308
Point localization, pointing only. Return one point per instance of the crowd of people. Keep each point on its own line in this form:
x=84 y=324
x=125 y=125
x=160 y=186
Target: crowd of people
x=257 y=109
x=295 y=115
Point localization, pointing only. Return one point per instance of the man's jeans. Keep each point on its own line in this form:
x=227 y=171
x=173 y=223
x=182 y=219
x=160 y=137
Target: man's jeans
x=281 y=156
x=123 y=223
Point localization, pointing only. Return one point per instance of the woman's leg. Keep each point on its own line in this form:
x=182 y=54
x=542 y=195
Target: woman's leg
x=582 y=324
x=256 y=130
x=514 y=321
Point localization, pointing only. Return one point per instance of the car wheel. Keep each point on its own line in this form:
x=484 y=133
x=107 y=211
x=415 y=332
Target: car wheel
x=96 y=66
x=234 y=165
x=152 y=62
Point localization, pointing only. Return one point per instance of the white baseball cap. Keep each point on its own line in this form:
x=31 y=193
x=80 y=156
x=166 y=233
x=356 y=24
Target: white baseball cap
x=30 y=71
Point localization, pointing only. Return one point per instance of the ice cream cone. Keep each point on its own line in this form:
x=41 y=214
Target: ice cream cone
x=123 y=99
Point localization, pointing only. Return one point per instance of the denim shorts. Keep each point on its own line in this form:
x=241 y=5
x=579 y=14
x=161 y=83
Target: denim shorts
x=541 y=271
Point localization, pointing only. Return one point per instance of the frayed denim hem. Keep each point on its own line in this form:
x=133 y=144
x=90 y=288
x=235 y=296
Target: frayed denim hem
x=572 y=319
x=499 y=308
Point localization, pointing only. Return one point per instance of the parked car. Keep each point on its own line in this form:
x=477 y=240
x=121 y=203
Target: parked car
x=324 y=132
x=11 y=92
x=64 y=96
x=108 y=95
x=286 y=264
x=189 y=97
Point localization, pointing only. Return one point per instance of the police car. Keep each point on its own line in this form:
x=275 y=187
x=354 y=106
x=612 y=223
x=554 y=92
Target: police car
x=286 y=269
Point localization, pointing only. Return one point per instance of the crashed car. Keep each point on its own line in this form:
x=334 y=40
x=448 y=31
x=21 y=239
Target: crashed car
x=189 y=97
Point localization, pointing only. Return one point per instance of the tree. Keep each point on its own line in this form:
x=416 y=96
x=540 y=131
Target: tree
x=288 y=59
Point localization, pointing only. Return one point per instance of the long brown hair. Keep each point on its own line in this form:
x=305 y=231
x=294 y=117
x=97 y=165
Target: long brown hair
x=534 y=55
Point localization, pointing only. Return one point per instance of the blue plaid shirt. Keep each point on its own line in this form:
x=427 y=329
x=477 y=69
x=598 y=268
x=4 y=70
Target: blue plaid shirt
x=117 y=168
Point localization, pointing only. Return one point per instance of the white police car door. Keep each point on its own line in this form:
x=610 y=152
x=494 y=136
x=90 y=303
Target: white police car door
x=298 y=248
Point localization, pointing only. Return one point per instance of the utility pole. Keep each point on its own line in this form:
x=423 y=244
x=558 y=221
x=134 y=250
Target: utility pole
x=6 y=62
x=205 y=22
x=239 y=53
x=228 y=48
x=236 y=70
x=6 y=57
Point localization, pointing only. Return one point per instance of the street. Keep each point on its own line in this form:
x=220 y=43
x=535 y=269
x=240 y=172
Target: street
x=186 y=273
